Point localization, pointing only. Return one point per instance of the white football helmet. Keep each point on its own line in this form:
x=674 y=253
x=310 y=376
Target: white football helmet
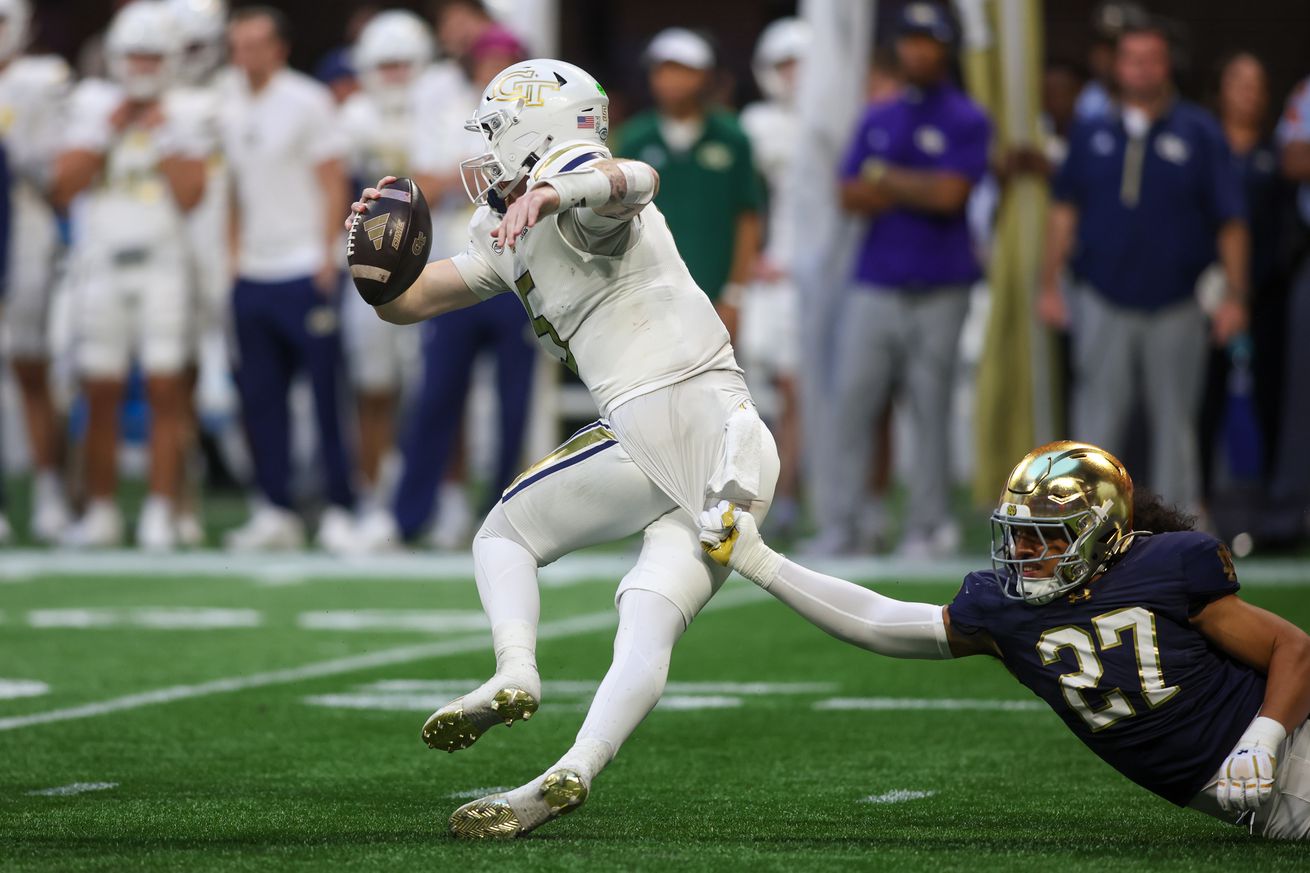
x=146 y=27
x=530 y=110
x=203 y=28
x=395 y=36
x=787 y=39
x=15 y=27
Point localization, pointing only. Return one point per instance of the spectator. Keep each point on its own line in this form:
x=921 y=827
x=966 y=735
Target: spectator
x=336 y=69
x=1109 y=20
x=498 y=327
x=910 y=168
x=286 y=150
x=1242 y=105
x=770 y=321
x=459 y=24
x=33 y=93
x=1146 y=198
x=135 y=160
x=1290 y=480
x=6 y=532
x=393 y=51
x=709 y=191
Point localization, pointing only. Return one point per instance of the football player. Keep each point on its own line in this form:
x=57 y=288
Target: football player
x=202 y=25
x=33 y=93
x=134 y=162
x=769 y=318
x=573 y=233
x=1115 y=613
x=394 y=50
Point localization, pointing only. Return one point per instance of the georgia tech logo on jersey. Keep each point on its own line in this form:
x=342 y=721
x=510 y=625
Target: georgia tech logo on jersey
x=376 y=228
x=523 y=84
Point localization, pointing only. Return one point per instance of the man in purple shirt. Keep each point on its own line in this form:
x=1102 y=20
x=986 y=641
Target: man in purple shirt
x=910 y=169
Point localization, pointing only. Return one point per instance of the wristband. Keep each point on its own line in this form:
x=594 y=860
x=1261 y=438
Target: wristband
x=1264 y=733
x=756 y=561
x=588 y=187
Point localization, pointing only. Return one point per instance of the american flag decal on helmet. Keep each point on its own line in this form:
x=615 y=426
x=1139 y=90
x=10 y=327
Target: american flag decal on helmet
x=586 y=122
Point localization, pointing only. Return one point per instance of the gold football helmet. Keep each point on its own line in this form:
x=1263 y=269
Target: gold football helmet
x=1066 y=502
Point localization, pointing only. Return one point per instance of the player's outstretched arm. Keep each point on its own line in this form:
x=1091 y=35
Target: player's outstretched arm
x=439 y=289
x=612 y=188
x=843 y=609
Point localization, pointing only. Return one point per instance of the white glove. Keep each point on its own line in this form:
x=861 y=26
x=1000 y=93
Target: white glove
x=730 y=537
x=1246 y=779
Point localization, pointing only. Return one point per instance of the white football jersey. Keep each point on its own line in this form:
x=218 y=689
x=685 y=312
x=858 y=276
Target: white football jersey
x=130 y=206
x=610 y=299
x=774 y=132
x=33 y=98
x=207 y=223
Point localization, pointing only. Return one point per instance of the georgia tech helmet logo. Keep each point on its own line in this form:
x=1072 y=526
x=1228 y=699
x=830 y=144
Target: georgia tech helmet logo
x=523 y=84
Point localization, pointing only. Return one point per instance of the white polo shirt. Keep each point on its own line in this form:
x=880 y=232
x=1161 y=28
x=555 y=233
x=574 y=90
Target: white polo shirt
x=274 y=139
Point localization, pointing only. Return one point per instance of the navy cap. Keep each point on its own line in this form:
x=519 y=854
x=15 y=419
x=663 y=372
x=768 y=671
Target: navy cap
x=926 y=19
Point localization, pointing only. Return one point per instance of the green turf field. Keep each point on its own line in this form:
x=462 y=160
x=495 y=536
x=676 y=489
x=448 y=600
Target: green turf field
x=228 y=723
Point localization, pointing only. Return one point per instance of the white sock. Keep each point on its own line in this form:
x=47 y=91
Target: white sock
x=506 y=574
x=649 y=625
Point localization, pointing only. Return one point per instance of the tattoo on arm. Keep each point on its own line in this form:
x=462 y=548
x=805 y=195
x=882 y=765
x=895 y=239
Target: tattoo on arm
x=619 y=205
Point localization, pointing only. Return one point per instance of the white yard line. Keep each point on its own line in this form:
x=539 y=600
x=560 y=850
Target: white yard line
x=897 y=795
x=428 y=567
x=566 y=627
x=74 y=788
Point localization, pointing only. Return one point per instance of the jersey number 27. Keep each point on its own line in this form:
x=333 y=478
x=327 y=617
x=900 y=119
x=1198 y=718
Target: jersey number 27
x=1110 y=627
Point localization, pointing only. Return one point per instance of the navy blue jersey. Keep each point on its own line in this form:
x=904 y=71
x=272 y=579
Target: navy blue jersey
x=1122 y=665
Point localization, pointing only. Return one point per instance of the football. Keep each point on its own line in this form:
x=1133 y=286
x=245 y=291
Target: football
x=389 y=244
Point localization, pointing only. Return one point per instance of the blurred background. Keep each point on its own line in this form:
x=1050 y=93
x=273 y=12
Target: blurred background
x=940 y=233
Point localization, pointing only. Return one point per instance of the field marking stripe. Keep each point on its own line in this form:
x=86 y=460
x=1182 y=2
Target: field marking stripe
x=565 y=627
x=279 y=569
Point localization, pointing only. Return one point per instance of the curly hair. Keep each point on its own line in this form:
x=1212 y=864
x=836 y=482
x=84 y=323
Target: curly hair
x=1153 y=515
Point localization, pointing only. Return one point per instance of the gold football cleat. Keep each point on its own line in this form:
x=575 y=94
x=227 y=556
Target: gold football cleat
x=522 y=810
x=491 y=818
x=452 y=727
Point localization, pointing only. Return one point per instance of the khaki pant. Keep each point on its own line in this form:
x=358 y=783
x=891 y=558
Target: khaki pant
x=1160 y=355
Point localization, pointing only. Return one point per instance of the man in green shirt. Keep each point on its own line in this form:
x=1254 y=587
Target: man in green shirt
x=709 y=189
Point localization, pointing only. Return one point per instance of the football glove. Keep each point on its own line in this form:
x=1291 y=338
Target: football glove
x=730 y=537
x=1246 y=779
x=718 y=531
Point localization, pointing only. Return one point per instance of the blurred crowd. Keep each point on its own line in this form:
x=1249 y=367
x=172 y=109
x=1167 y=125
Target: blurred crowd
x=174 y=274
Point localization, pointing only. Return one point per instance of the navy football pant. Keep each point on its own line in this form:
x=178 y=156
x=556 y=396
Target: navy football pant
x=281 y=329
x=450 y=345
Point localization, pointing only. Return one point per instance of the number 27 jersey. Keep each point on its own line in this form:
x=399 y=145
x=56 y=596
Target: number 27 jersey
x=1120 y=662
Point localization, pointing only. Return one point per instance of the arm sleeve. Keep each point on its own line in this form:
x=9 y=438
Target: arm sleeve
x=1208 y=572
x=478 y=274
x=862 y=617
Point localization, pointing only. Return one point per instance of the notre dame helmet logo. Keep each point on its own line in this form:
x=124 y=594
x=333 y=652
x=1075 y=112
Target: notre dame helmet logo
x=523 y=84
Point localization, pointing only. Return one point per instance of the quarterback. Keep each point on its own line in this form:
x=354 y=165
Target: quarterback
x=574 y=234
x=1116 y=614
